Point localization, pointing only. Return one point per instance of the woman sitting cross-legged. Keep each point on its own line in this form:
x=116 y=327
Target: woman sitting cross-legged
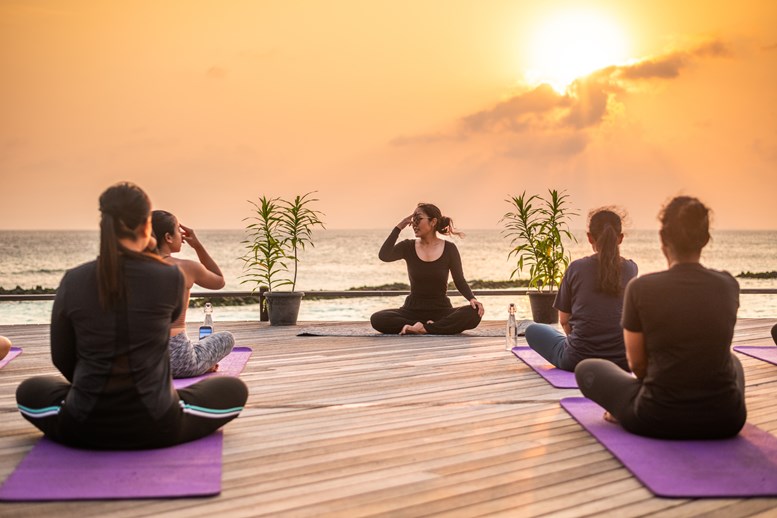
x=109 y=331
x=678 y=326
x=589 y=301
x=189 y=358
x=430 y=259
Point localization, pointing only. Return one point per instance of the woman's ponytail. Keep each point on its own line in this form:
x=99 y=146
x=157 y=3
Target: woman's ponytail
x=605 y=227
x=123 y=207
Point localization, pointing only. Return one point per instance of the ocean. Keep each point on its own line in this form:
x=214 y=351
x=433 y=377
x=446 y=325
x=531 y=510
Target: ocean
x=343 y=259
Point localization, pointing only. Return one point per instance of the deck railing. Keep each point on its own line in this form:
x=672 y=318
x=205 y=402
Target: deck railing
x=328 y=294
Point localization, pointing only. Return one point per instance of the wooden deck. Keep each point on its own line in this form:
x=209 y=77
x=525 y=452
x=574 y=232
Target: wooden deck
x=399 y=426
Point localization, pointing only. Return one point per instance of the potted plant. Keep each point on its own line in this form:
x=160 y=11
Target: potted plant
x=278 y=231
x=537 y=227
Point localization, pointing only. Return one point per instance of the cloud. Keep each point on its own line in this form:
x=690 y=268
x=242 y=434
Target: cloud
x=586 y=103
x=669 y=65
x=517 y=113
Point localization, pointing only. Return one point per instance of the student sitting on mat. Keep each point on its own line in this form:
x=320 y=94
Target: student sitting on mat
x=110 y=327
x=429 y=260
x=189 y=359
x=589 y=301
x=678 y=326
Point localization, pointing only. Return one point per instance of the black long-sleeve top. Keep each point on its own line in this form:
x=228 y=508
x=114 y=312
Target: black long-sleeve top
x=428 y=279
x=117 y=361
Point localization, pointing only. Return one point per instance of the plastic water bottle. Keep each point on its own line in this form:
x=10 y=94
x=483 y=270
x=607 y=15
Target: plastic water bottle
x=206 y=329
x=511 y=332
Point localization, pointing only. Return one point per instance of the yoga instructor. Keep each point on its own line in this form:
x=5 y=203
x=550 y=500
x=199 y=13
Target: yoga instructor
x=429 y=260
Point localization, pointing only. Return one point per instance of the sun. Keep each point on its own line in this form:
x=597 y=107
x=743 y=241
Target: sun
x=573 y=44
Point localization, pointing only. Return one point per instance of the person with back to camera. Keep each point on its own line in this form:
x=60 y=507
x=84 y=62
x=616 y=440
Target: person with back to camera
x=110 y=326
x=678 y=325
x=589 y=301
x=189 y=359
x=429 y=260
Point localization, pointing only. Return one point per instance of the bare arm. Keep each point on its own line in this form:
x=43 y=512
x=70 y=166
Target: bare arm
x=209 y=274
x=563 y=319
x=636 y=354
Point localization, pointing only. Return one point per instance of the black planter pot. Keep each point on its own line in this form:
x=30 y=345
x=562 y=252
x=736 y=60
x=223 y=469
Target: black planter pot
x=542 y=309
x=283 y=307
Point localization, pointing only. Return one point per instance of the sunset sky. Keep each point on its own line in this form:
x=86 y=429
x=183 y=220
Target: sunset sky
x=378 y=105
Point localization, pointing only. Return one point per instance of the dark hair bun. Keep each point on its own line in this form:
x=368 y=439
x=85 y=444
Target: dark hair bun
x=685 y=225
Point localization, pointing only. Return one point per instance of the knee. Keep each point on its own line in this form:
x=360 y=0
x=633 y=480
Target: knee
x=774 y=333
x=378 y=322
x=585 y=372
x=37 y=391
x=533 y=333
x=5 y=347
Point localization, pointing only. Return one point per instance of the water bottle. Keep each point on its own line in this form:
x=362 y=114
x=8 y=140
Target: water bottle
x=206 y=328
x=511 y=332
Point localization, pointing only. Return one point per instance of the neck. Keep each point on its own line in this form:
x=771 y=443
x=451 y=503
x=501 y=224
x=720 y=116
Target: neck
x=135 y=245
x=428 y=239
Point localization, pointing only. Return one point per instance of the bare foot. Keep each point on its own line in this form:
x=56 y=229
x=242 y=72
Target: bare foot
x=214 y=368
x=415 y=329
x=609 y=418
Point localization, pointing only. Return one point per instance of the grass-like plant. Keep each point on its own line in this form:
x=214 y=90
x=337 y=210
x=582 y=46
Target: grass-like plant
x=296 y=223
x=265 y=256
x=277 y=231
x=537 y=227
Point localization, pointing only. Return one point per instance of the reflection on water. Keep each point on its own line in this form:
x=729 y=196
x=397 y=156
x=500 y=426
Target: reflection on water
x=342 y=259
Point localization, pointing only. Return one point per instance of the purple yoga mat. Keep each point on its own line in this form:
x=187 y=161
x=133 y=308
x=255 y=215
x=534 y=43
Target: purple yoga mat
x=51 y=471
x=556 y=377
x=231 y=365
x=767 y=353
x=13 y=353
x=745 y=465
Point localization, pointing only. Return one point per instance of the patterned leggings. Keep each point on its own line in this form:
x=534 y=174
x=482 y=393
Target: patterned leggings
x=188 y=359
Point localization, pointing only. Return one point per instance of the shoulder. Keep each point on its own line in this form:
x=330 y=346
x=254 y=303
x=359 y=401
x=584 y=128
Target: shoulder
x=724 y=277
x=629 y=266
x=590 y=262
x=81 y=275
x=82 y=270
x=450 y=246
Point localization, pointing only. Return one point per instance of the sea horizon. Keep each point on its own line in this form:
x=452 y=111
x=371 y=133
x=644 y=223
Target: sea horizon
x=343 y=259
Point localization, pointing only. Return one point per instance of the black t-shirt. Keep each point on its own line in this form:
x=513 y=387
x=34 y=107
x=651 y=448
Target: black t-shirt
x=595 y=317
x=428 y=279
x=117 y=362
x=687 y=315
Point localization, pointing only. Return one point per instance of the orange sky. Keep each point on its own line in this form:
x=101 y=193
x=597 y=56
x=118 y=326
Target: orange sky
x=379 y=105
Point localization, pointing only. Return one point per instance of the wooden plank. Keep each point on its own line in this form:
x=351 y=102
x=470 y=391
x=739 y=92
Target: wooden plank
x=347 y=426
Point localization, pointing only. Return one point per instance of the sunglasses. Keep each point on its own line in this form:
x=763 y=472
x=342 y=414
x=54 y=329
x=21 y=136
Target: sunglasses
x=417 y=219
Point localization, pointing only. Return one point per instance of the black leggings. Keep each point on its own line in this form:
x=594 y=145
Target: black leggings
x=617 y=391
x=774 y=334
x=445 y=321
x=204 y=407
